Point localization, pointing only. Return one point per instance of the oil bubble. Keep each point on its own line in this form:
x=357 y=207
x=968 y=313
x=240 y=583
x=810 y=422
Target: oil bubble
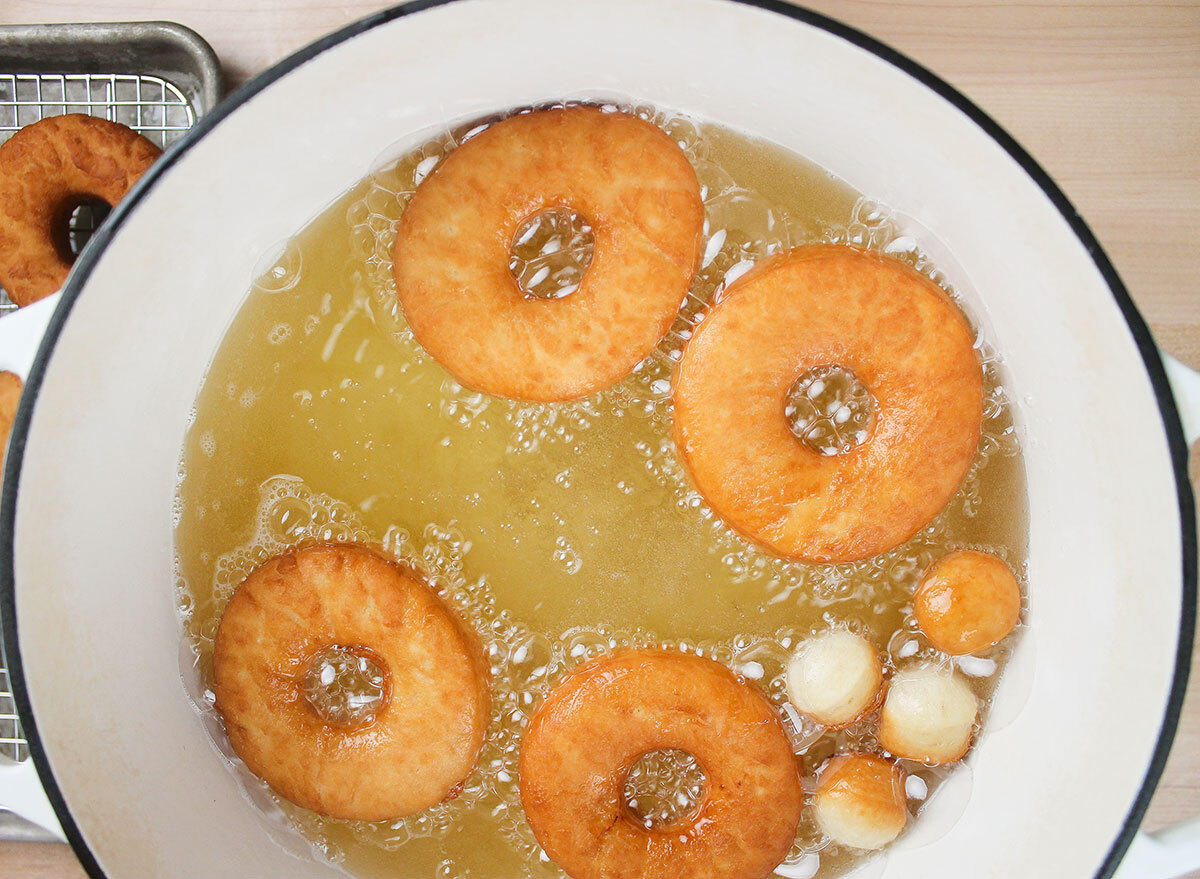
x=280 y=268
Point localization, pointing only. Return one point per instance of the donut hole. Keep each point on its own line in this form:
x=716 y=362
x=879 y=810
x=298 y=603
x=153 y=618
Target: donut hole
x=929 y=715
x=664 y=787
x=830 y=410
x=346 y=686
x=835 y=677
x=79 y=219
x=550 y=253
x=967 y=602
x=861 y=801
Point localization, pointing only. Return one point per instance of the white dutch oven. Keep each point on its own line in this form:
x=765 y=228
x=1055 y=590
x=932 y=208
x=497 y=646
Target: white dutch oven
x=88 y=601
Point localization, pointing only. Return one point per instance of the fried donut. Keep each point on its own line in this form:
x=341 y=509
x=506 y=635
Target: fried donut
x=929 y=715
x=836 y=678
x=968 y=601
x=860 y=801
x=639 y=194
x=818 y=306
x=10 y=398
x=593 y=727
x=426 y=735
x=48 y=169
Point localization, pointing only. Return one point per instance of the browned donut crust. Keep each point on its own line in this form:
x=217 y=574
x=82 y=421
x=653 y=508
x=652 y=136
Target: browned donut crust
x=425 y=738
x=10 y=398
x=586 y=736
x=48 y=169
x=823 y=305
x=632 y=184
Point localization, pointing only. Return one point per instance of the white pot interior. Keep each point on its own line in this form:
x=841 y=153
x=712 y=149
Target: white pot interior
x=98 y=634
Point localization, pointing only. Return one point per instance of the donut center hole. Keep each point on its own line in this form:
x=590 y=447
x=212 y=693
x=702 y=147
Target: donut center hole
x=85 y=218
x=664 y=787
x=830 y=410
x=550 y=253
x=346 y=686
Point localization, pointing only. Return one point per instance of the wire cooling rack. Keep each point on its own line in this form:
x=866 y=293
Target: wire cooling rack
x=147 y=104
x=12 y=743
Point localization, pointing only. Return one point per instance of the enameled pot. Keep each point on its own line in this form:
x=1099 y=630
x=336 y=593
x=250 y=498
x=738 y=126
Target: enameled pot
x=1092 y=699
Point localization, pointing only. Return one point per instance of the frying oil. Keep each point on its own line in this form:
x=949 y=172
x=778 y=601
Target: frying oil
x=558 y=531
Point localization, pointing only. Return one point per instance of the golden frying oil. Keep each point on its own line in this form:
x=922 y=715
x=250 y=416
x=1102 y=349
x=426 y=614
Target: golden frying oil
x=558 y=531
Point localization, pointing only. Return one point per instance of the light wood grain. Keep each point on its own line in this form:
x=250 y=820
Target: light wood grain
x=38 y=860
x=1105 y=93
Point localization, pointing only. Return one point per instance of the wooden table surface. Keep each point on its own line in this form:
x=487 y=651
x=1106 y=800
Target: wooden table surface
x=1105 y=93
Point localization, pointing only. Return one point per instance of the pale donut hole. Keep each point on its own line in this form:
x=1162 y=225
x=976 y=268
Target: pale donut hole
x=835 y=678
x=929 y=715
x=860 y=801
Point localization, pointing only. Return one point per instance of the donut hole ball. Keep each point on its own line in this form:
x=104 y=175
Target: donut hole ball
x=664 y=787
x=835 y=678
x=929 y=715
x=551 y=252
x=829 y=409
x=860 y=801
x=11 y=387
x=967 y=602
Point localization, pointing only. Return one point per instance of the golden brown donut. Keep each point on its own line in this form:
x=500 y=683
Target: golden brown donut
x=48 y=169
x=635 y=188
x=426 y=736
x=968 y=601
x=10 y=398
x=583 y=740
x=817 y=306
x=860 y=801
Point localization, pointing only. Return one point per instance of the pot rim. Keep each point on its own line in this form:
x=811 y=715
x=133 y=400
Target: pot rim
x=86 y=262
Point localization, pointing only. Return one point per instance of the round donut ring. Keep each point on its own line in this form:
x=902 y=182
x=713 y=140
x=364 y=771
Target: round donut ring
x=426 y=736
x=815 y=306
x=631 y=183
x=587 y=735
x=48 y=169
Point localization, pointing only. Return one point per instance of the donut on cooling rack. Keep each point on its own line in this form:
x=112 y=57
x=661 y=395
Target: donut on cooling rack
x=634 y=187
x=422 y=737
x=48 y=169
x=590 y=730
x=812 y=308
x=10 y=398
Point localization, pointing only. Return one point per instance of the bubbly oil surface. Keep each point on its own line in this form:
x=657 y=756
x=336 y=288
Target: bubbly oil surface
x=559 y=531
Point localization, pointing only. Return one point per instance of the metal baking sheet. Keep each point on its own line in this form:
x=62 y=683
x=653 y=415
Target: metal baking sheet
x=156 y=77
